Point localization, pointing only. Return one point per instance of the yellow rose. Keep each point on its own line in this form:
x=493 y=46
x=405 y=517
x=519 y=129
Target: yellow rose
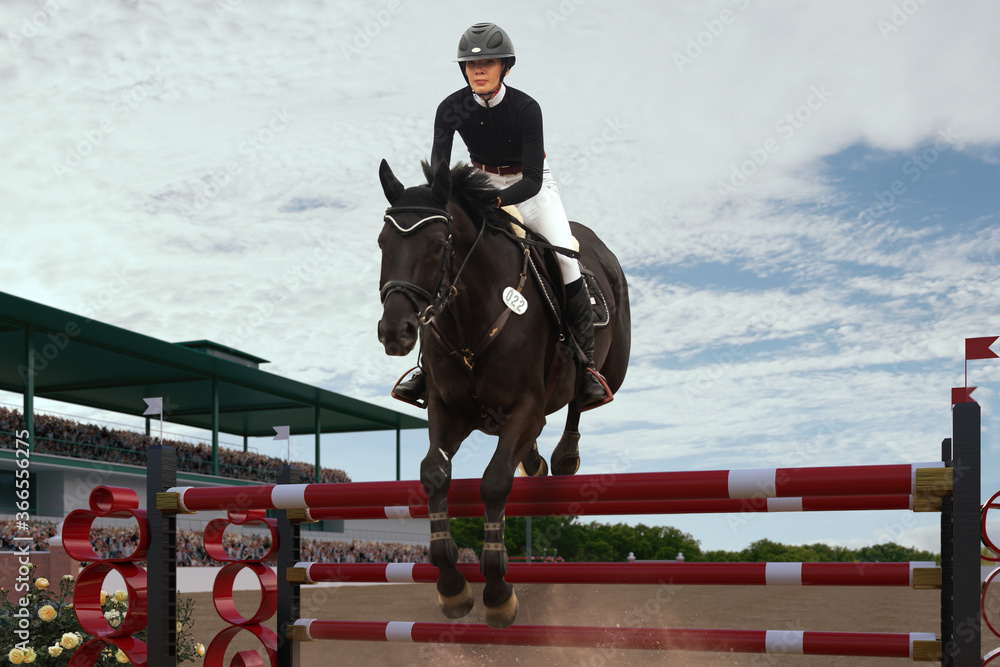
x=121 y=657
x=55 y=651
x=121 y=596
x=69 y=577
x=42 y=583
x=47 y=613
x=113 y=618
x=104 y=596
x=16 y=656
x=29 y=655
x=179 y=626
x=200 y=649
x=68 y=605
x=69 y=640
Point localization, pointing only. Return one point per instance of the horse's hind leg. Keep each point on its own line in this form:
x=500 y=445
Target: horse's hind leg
x=454 y=593
x=566 y=456
x=516 y=437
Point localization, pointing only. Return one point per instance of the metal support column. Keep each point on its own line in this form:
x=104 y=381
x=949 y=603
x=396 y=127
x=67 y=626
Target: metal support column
x=215 y=426
x=161 y=563
x=966 y=535
x=319 y=433
x=29 y=386
x=289 y=553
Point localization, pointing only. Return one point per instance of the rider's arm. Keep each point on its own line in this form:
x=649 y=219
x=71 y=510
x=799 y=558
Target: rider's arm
x=445 y=124
x=532 y=156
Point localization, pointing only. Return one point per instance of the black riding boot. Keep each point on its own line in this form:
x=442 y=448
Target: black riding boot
x=413 y=391
x=591 y=390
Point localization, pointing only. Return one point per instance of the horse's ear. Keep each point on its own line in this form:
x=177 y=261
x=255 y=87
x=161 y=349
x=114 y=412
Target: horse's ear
x=441 y=187
x=390 y=184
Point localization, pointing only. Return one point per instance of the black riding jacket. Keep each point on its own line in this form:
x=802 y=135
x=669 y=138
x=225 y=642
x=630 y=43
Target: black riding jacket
x=506 y=135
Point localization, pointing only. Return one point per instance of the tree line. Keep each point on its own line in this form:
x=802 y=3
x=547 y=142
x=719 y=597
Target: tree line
x=572 y=541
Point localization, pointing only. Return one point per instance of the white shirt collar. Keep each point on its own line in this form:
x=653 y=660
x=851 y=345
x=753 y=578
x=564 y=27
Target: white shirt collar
x=495 y=100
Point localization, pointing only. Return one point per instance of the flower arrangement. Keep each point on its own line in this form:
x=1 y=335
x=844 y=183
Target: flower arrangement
x=55 y=633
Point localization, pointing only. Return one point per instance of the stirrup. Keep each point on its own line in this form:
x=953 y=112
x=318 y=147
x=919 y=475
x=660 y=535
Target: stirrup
x=608 y=396
x=420 y=402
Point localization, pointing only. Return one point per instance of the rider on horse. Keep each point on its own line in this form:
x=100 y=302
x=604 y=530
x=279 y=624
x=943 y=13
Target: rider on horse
x=502 y=128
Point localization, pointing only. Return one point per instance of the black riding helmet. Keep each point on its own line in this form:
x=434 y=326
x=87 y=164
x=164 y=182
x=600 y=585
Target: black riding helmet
x=483 y=41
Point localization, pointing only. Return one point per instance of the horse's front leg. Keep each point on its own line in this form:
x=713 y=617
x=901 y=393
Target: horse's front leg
x=454 y=593
x=517 y=436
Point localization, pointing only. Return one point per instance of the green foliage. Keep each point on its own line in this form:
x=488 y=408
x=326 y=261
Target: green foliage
x=567 y=538
x=55 y=633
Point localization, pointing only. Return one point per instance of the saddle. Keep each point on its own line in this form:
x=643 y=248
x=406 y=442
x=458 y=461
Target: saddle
x=545 y=268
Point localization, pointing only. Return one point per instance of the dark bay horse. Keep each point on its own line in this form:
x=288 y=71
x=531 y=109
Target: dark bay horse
x=447 y=258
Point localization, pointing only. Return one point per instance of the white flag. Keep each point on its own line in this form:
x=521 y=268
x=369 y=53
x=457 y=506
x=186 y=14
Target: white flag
x=154 y=406
x=283 y=432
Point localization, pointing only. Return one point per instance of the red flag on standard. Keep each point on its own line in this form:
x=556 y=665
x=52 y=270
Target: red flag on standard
x=979 y=348
x=962 y=395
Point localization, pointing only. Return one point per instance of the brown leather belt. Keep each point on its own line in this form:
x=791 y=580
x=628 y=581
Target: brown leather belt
x=500 y=171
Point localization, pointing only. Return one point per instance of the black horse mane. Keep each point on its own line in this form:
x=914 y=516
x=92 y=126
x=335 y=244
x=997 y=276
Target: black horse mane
x=472 y=190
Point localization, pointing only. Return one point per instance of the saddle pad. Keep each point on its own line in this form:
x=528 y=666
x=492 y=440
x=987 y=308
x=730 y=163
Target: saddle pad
x=553 y=301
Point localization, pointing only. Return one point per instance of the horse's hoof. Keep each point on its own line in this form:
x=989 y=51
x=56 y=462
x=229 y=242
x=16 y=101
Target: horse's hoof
x=504 y=615
x=566 y=466
x=566 y=455
x=457 y=606
x=540 y=470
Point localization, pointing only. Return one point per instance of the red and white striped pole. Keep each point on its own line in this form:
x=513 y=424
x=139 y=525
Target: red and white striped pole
x=711 y=484
x=621 y=507
x=856 y=644
x=672 y=573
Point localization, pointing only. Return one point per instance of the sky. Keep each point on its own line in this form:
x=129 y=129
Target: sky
x=804 y=198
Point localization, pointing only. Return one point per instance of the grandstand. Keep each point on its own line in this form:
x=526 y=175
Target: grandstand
x=71 y=359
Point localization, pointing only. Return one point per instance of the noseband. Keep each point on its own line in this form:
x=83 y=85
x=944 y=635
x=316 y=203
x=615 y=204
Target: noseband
x=443 y=294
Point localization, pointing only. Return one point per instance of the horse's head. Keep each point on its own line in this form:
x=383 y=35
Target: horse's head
x=416 y=253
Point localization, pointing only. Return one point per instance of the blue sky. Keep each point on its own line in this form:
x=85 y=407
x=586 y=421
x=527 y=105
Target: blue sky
x=804 y=198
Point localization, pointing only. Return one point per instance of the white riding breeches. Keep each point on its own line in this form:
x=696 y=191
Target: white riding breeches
x=544 y=214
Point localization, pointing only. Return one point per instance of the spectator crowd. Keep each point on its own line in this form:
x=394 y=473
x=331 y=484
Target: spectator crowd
x=65 y=437
x=120 y=542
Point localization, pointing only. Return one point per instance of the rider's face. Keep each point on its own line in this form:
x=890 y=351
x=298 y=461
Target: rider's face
x=484 y=75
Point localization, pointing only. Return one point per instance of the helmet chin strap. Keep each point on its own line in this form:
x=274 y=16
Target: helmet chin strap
x=490 y=95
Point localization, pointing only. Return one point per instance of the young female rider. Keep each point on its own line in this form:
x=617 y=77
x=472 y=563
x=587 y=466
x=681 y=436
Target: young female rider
x=502 y=127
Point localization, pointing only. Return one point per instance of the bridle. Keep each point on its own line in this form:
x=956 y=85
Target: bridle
x=444 y=293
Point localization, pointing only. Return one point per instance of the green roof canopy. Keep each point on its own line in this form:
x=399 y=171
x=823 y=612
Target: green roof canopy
x=205 y=385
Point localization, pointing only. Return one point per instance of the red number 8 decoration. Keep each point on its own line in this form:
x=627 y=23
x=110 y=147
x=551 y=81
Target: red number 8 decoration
x=222 y=592
x=114 y=503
